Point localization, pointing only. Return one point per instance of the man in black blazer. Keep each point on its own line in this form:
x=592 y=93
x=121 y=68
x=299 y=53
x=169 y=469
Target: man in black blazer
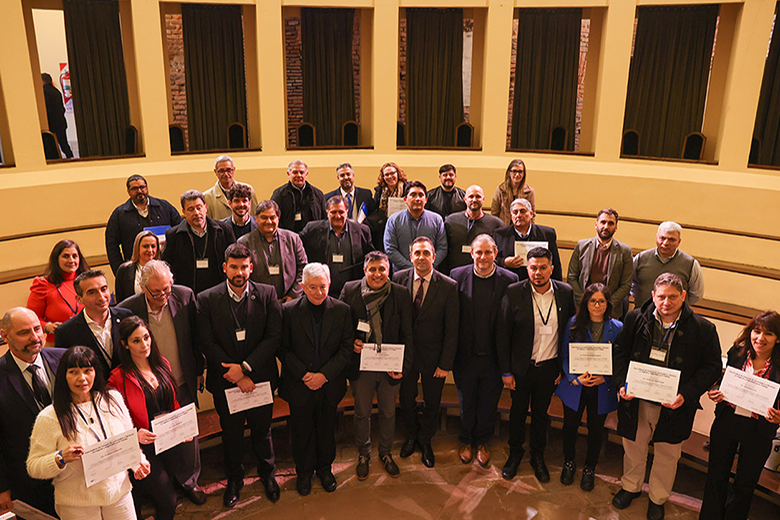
x=317 y=338
x=243 y=356
x=339 y=243
x=435 y=341
x=97 y=326
x=524 y=229
x=481 y=286
x=354 y=196
x=298 y=200
x=530 y=330
x=19 y=407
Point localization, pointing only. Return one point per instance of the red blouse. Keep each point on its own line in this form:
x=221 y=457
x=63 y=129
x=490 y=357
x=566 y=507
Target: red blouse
x=53 y=303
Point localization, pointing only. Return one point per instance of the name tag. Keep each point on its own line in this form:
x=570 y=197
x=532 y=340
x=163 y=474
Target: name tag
x=338 y=259
x=240 y=335
x=298 y=217
x=465 y=248
x=273 y=270
x=363 y=326
x=657 y=354
x=203 y=263
x=546 y=330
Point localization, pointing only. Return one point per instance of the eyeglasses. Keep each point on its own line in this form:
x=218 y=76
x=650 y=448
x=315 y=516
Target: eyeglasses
x=226 y=170
x=138 y=188
x=160 y=295
x=597 y=302
x=517 y=172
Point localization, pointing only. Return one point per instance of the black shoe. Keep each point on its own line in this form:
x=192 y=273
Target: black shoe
x=540 y=469
x=231 y=495
x=588 y=479
x=623 y=498
x=195 y=494
x=654 y=511
x=303 y=485
x=272 y=488
x=510 y=468
x=408 y=448
x=328 y=481
x=567 y=473
x=362 y=467
x=390 y=466
x=428 y=458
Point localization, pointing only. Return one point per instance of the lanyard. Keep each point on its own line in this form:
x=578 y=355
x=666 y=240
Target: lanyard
x=539 y=309
x=99 y=420
x=74 y=311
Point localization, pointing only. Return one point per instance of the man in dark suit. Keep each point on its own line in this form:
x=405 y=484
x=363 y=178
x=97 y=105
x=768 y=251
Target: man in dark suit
x=523 y=229
x=435 y=341
x=97 y=326
x=481 y=286
x=298 y=200
x=55 y=114
x=24 y=391
x=243 y=356
x=339 y=243
x=354 y=196
x=530 y=330
x=317 y=338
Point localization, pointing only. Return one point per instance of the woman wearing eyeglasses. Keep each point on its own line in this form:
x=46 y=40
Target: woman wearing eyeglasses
x=513 y=187
x=128 y=277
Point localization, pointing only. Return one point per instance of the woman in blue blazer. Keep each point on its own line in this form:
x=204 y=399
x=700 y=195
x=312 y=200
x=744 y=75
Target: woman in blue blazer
x=591 y=324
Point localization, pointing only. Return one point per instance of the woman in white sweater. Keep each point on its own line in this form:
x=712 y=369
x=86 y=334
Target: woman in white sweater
x=83 y=412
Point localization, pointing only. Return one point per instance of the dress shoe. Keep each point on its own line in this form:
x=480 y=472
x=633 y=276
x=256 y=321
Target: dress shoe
x=408 y=448
x=567 y=472
x=231 y=495
x=328 y=481
x=195 y=494
x=588 y=479
x=303 y=485
x=362 y=467
x=540 y=469
x=466 y=453
x=390 y=466
x=272 y=488
x=483 y=455
x=428 y=458
x=623 y=498
x=655 y=511
x=510 y=468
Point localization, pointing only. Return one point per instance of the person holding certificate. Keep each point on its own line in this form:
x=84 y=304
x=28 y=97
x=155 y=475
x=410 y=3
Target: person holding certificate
x=83 y=412
x=755 y=352
x=591 y=324
x=145 y=380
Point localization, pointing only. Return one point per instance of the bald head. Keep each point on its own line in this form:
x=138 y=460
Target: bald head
x=21 y=329
x=474 y=198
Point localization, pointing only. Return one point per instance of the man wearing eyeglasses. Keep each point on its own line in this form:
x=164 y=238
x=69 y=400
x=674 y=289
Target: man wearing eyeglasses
x=217 y=196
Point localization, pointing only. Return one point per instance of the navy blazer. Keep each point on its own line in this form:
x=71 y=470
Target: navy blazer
x=506 y=237
x=362 y=195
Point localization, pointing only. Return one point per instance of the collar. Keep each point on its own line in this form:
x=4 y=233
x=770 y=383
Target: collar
x=297 y=188
x=141 y=209
x=199 y=235
x=344 y=193
x=90 y=321
x=530 y=228
x=545 y=293
x=237 y=298
x=658 y=319
x=427 y=277
x=233 y=219
x=330 y=226
x=608 y=245
x=668 y=259
x=484 y=277
x=24 y=364
x=151 y=312
x=418 y=218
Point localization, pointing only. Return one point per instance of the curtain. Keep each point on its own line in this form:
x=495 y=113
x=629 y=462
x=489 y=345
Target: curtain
x=667 y=83
x=326 y=56
x=97 y=73
x=434 y=64
x=767 y=127
x=548 y=54
x=214 y=72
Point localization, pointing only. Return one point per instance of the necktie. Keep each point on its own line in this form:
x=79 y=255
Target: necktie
x=418 y=298
x=39 y=388
x=349 y=206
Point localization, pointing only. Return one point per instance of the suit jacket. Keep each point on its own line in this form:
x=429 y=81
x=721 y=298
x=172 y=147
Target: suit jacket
x=182 y=305
x=218 y=207
x=362 y=195
x=298 y=349
x=315 y=237
x=18 y=411
x=397 y=322
x=124 y=281
x=293 y=260
x=76 y=332
x=516 y=329
x=620 y=270
x=435 y=330
x=505 y=238
x=464 y=276
x=217 y=335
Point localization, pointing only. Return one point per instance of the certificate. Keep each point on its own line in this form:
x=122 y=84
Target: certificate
x=748 y=391
x=652 y=383
x=174 y=428
x=394 y=205
x=239 y=401
x=111 y=456
x=522 y=248
x=390 y=358
x=594 y=358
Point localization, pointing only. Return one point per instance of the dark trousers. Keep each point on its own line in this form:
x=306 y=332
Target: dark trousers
x=158 y=485
x=729 y=432
x=259 y=421
x=40 y=495
x=571 y=422
x=479 y=390
x=62 y=140
x=313 y=433
x=423 y=428
x=186 y=473
x=537 y=387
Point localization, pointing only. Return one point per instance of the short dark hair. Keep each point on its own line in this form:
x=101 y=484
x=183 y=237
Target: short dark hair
x=336 y=199
x=669 y=279
x=446 y=168
x=86 y=275
x=609 y=211
x=345 y=165
x=239 y=190
x=375 y=256
x=238 y=252
x=190 y=195
x=134 y=177
x=265 y=205
x=539 y=252
x=425 y=240
x=415 y=184
x=46 y=77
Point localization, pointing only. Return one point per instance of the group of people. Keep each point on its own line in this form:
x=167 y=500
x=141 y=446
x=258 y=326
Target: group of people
x=306 y=281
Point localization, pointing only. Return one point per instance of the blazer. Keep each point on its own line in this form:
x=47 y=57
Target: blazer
x=298 y=350
x=75 y=332
x=506 y=237
x=315 y=237
x=620 y=270
x=182 y=305
x=18 y=411
x=293 y=260
x=435 y=330
x=515 y=328
x=464 y=276
x=397 y=323
x=127 y=385
x=217 y=335
x=124 y=282
x=179 y=250
x=218 y=206
x=570 y=393
x=362 y=195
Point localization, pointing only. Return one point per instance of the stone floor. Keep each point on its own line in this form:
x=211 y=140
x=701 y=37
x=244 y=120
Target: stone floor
x=450 y=490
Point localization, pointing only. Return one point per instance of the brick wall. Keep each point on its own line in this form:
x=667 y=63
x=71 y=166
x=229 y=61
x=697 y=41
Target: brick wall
x=176 y=70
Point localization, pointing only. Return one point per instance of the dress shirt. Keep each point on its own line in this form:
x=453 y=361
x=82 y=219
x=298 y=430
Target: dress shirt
x=545 y=346
x=232 y=293
x=143 y=212
x=43 y=372
x=353 y=209
x=102 y=334
x=416 y=284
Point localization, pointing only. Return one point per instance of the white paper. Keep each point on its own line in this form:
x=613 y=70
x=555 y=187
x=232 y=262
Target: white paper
x=363 y=326
x=749 y=391
x=26 y=511
x=652 y=383
x=239 y=401
x=522 y=248
x=595 y=358
x=390 y=359
x=174 y=428
x=111 y=456
x=465 y=248
x=394 y=205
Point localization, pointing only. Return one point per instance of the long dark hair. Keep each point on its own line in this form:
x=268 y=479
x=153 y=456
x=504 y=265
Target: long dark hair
x=768 y=320
x=160 y=369
x=53 y=273
x=77 y=357
x=579 y=331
